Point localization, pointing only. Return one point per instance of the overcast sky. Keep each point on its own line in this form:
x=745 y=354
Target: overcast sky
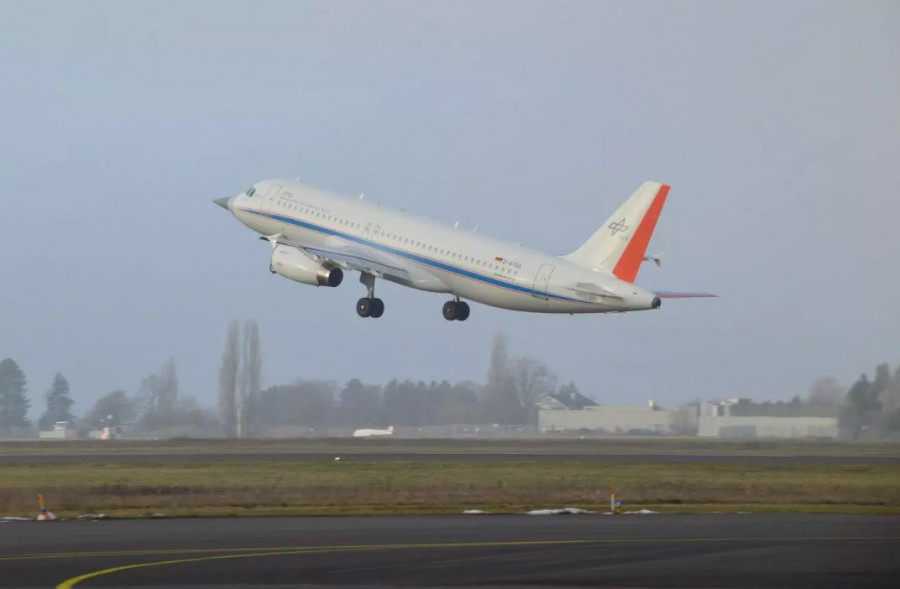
x=777 y=125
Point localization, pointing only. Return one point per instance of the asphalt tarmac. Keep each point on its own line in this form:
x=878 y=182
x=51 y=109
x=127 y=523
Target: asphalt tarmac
x=401 y=455
x=743 y=550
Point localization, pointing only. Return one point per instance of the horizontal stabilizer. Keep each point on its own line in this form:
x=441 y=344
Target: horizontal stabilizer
x=663 y=294
x=589 y=291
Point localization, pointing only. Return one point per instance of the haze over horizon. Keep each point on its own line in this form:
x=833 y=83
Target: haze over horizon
x=777 y=126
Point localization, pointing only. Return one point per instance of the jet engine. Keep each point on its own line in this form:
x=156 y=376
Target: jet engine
x=291 y=263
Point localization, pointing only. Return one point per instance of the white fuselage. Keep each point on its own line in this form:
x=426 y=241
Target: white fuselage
x=436 y=256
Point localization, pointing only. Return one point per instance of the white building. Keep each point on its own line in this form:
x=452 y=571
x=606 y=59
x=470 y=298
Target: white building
x=740 y=426
x=637 y=419
x=716 y=421
x=62 y=430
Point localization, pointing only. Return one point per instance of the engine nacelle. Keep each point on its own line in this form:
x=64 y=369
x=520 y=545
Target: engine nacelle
x=293 y=264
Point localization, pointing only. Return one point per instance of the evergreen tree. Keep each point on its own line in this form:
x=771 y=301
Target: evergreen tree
x=882 y=380
x=114 y=408
x=250 y=375
x=59 y=404
x=167 y=399
x=861 y=407
x=146 y=402
x=14 y=401
x=889 y=399
x=228 y=372
x=501 y=401
x=359 y=404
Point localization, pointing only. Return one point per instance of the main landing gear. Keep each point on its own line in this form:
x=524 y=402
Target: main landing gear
x=456 y=310
x=366 y=307
x=369 y=306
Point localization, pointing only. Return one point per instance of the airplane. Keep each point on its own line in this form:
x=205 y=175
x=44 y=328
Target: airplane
x=369 y=433
x=316 y=236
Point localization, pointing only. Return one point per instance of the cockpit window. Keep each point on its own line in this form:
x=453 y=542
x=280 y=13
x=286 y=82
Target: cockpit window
x=251 y=191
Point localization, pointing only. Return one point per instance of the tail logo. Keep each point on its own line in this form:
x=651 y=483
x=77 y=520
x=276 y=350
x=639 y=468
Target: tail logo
x=618 y=226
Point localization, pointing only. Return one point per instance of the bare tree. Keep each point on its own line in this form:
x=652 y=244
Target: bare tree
x=532 y=380
x=228 y=380
x=824 y=397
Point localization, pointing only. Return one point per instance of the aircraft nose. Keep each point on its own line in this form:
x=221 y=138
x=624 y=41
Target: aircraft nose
x=224 y=202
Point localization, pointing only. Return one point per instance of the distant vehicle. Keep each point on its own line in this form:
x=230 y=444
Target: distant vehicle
x=317 y=236
x=368 y=433
x=62 y=430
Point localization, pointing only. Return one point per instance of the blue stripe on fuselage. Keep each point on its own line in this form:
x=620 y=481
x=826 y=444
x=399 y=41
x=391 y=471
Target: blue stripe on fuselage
x=410 y=256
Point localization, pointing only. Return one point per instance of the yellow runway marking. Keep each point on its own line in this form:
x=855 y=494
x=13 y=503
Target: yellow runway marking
x=157 y=552
x=284 y=551
x=69 y=583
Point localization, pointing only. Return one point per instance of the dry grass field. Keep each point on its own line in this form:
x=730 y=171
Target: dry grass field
x=406 y=485
x=678 y=446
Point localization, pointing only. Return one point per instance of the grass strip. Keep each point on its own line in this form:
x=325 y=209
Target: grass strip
x=360 y=487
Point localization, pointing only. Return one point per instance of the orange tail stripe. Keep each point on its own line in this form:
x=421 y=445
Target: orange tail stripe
x=630 y=262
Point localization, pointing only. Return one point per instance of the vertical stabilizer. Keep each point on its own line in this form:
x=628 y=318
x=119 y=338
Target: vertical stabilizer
x=621 y=242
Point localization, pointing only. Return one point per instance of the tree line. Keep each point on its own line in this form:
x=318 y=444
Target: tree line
x=872 y=407
x=508 y=397
x=155 y=406
x=513 y=384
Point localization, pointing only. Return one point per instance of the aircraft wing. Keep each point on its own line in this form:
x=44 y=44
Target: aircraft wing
x=362 y=259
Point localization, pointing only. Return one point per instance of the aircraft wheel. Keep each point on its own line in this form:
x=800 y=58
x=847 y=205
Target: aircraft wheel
x=449 y=310
x=462 y=311
x=377 y=308
x=364 y=307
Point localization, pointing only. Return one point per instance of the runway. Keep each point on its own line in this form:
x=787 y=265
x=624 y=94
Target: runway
x=400 y=455
x=766 y=550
